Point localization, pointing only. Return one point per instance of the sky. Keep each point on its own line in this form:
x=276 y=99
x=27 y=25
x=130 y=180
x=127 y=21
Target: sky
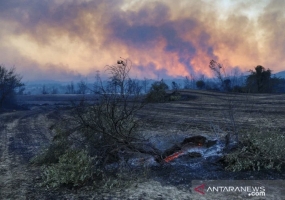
x=66 y=39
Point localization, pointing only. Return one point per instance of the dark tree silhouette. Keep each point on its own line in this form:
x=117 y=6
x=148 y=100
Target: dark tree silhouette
x=9 y=81
x=44 y=90
x=259 y=80
x=157 y=92
x=219 y=71
x=70 y=89
x=227 y=85
x=119 y=74
x=175 y=86
x=82 y=87
x=145 y=85
x=133 y=87
x=187 y=83
x=54 y=90
x=200 y=84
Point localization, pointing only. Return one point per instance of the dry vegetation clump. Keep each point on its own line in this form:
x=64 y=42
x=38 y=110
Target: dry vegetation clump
x=75 y=168
x=259 y=149
x=157 y=92
x=105 y=129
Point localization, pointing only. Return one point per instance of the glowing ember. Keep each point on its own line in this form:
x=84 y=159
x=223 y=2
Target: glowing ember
x=173 y=156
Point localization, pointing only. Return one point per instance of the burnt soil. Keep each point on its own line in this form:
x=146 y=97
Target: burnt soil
x=24 y=133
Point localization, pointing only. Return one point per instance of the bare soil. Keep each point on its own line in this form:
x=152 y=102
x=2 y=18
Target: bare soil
x=24 y=133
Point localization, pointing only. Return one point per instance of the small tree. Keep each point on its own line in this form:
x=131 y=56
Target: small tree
x=119 y=74
x=97 y=83
x=157 y=92
x=200 y=84
x=70 y=88
x=187 y=83
x=9 y=81
x=44 y=90
x=54 y=90
x=227 y=85
x=82 y=87
x=175 y=86
x=133 y=87
x=145 y=85
x=259 y=80
x=220 y=73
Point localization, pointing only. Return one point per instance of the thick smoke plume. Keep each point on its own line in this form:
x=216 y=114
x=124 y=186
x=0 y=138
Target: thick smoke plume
x=57 y=39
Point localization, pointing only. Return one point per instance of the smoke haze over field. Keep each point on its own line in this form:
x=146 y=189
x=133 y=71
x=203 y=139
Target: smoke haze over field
x=63 y=39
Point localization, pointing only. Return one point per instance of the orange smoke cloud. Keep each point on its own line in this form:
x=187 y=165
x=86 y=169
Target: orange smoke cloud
x=64 y=39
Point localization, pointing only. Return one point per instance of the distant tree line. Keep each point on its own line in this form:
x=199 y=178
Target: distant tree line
x=260 y=80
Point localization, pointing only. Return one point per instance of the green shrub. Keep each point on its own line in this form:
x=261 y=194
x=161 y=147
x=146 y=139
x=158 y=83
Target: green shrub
x=73 y=169
x=174 y=97
x=258 y=150
x=157 y=92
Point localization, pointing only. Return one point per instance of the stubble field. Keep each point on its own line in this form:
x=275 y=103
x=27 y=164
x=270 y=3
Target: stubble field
x=23 y=133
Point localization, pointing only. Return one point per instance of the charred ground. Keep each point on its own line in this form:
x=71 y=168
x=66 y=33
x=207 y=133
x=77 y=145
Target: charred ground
x=24 y=133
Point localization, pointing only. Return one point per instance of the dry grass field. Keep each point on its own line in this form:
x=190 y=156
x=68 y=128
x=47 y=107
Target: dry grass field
x=205 y=110
x=23 y=133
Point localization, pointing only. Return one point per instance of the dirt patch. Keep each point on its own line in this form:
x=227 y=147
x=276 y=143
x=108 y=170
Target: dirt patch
x=24 y=134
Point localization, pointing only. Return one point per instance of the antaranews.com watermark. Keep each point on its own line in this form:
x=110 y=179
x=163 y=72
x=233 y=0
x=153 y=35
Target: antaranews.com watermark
x=246 y=189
